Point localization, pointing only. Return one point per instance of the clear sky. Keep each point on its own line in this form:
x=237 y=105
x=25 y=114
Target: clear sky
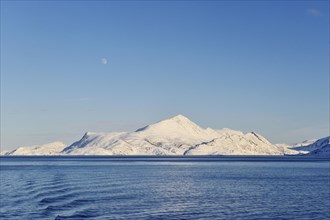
x=73 y=66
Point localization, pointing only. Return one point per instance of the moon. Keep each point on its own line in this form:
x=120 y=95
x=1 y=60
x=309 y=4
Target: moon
x=104 y=60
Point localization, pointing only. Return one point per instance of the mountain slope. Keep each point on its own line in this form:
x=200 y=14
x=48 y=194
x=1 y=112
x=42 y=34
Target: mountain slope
x=311 y=145
x=236 y=144
x=319 y=147
x=53 y=148
x=323 y=151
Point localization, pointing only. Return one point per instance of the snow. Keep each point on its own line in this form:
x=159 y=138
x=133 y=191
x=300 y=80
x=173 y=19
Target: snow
x=320 y=147
x=317 y=147
x=304 y=143
x=53 y=148
x=174 y=136
x=286 y=149
x=310 y=145
x=323 y=151
x=2 y=153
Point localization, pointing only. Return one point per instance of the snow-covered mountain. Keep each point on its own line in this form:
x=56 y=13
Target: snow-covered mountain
x=168 y=137
x=311 y=145
x=316 y=147
x=174 y=136
x=53 y=148
x=320 y=147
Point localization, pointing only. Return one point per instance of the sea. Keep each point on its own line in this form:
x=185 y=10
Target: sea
x=138 y=187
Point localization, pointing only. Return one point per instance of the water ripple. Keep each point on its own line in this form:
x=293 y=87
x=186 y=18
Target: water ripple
x=240 y=190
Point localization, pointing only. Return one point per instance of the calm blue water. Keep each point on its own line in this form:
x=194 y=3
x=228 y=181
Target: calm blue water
x=164 y=188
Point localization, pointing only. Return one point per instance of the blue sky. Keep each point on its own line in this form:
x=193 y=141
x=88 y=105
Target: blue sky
x=76 y=66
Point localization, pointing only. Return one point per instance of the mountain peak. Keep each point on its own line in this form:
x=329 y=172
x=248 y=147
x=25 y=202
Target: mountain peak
x=179 y=119
x=178 y=127
x=179 y=116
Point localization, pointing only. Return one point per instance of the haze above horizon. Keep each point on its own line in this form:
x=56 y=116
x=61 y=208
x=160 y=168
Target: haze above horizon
x=68 y=67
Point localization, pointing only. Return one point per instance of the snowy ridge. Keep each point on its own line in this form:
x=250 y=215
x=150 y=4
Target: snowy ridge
x=53 y=148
